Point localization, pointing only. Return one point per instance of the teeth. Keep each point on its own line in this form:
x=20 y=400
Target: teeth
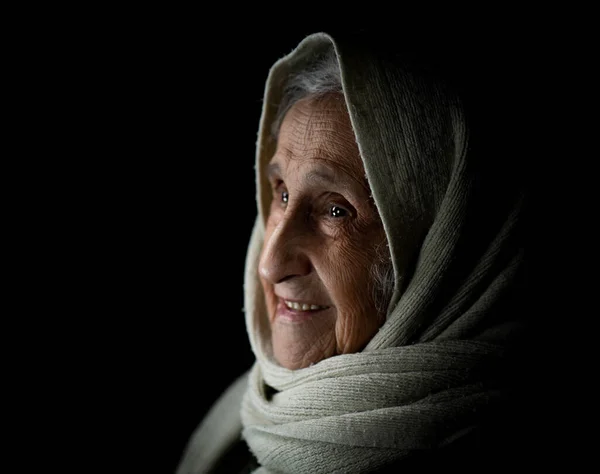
x=303 y=306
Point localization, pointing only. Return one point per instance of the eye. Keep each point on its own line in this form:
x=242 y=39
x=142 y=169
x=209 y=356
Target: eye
x=285 y=196
x=336 y=211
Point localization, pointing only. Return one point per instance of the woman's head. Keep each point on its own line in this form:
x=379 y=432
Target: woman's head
x=376 y=205
x=325 y=266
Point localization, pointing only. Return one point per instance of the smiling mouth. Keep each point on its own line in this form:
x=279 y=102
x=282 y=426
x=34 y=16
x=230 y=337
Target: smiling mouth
x=295 y=305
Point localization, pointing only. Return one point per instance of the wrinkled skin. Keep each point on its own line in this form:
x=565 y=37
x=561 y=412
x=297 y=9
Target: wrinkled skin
x=323 y=235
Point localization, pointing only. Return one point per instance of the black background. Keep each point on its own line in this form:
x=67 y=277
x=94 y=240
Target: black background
x=149 y=121
x=160 y=200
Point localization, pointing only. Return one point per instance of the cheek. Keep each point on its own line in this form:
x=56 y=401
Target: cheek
x=350 y=285
x=270 y=299
x=268 y=290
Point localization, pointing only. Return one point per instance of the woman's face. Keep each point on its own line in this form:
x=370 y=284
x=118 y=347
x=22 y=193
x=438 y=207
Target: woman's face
x=323 y=238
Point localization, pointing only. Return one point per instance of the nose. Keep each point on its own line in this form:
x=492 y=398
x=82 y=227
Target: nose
x=284 y=252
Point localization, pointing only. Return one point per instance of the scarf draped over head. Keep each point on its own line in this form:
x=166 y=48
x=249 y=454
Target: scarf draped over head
x=443 y=184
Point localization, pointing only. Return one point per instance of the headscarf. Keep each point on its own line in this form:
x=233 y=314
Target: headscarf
x=443 y=363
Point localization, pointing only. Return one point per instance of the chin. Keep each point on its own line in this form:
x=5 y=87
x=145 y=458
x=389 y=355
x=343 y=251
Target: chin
x=288 y=361
x=292 y=364
x=296 y=346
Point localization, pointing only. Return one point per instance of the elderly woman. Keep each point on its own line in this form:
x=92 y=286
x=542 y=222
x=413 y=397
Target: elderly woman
x=384 y=276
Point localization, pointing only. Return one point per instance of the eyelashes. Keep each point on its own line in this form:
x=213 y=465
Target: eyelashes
x=336 y=211
x=331 y=209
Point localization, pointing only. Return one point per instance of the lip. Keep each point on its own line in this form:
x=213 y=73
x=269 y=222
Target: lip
x=295 y=315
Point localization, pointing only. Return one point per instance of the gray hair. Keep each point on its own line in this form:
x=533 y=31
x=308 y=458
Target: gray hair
x=321 y=78
x=382 y=275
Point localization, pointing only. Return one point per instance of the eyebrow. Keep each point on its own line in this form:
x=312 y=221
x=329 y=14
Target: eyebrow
x=323 y=174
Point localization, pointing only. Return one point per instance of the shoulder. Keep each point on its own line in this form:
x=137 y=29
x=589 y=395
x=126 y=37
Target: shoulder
x=218 y=433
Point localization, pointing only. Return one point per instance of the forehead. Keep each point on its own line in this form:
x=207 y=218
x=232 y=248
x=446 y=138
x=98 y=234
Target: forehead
x=319 y=129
